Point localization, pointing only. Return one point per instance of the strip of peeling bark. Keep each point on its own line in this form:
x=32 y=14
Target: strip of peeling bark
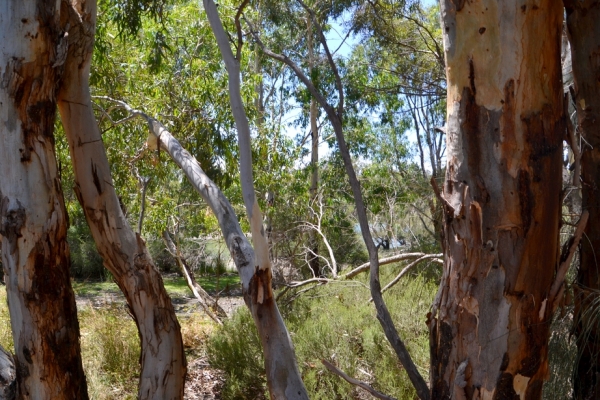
x=583 y=23
x=388 y=260
x=205 y=300
x=162 y=359
x=33 y=219
x=489 y=327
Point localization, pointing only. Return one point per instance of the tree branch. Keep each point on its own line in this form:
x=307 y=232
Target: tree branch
x=398 y=257
x=557 y=288
x=332 y=368
x=408 y=268
x=336 y=73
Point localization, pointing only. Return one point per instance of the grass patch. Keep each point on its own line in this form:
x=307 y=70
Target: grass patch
x=335 y=322
x=175 y=285
x=218 y=283
x=111 y=351
x=93 y=288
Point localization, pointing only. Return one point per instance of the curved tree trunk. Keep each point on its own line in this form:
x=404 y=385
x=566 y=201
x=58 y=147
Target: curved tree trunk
x=124 y=253
x=33 y=220
x=583 y=22
x=490 y=320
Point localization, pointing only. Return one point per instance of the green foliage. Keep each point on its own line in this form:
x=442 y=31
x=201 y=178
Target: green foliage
x=236 y=349
x=86 y=263
x=335 y=322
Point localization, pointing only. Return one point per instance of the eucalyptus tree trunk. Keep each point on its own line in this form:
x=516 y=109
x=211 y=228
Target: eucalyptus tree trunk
x=162 y=359
x=583 y=22
x=489 y=327
x=314 y=159
x=283 y=377
x=33 y=220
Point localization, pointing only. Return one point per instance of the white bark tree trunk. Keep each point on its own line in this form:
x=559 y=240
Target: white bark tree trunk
x=491 y=317
x=283 y=376
x=163 y=364
x=313 y=241
x=33 y=220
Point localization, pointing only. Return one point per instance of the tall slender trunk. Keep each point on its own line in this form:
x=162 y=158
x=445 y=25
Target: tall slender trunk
x=33 y=219
x=283 y=376
x=313 y=241
x=124 y=253
x=583 y=22
x=490 y=320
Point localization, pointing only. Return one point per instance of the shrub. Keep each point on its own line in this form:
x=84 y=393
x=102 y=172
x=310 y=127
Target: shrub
x=235 y=349
x=335 y=322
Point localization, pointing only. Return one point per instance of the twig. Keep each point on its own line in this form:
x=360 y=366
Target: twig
x=408 y=268
x=448 y=209
x=398 y=257
x=332 y=368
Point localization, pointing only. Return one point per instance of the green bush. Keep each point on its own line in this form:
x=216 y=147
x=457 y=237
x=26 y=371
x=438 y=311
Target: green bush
x=334 y=322
x=235 y=348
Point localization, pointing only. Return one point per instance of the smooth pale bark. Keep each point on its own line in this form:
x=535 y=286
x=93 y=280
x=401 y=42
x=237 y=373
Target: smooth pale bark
x=33 y=220
x=583 y=23
x=283 y=377
x=162 y=359
x=388 y=260
x=490 y=320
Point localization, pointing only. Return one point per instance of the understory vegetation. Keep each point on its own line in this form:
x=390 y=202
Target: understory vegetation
x=386 y=83
x=335 y=322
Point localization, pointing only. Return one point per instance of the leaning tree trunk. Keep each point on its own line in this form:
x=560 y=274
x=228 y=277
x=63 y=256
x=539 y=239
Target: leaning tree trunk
x=124 y=253
x=583 y=22
x=490 y=320
x=33 y=220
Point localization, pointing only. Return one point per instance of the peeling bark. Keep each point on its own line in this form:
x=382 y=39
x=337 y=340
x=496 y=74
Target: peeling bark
x=162 y=359
x=489 y=327
x=583 y=23
x=33 y=219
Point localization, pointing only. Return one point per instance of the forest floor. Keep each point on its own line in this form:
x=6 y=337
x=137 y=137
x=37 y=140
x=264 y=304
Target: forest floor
x=202 y=381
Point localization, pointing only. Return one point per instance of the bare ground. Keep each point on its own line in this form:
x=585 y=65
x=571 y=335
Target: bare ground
x=202 y=381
